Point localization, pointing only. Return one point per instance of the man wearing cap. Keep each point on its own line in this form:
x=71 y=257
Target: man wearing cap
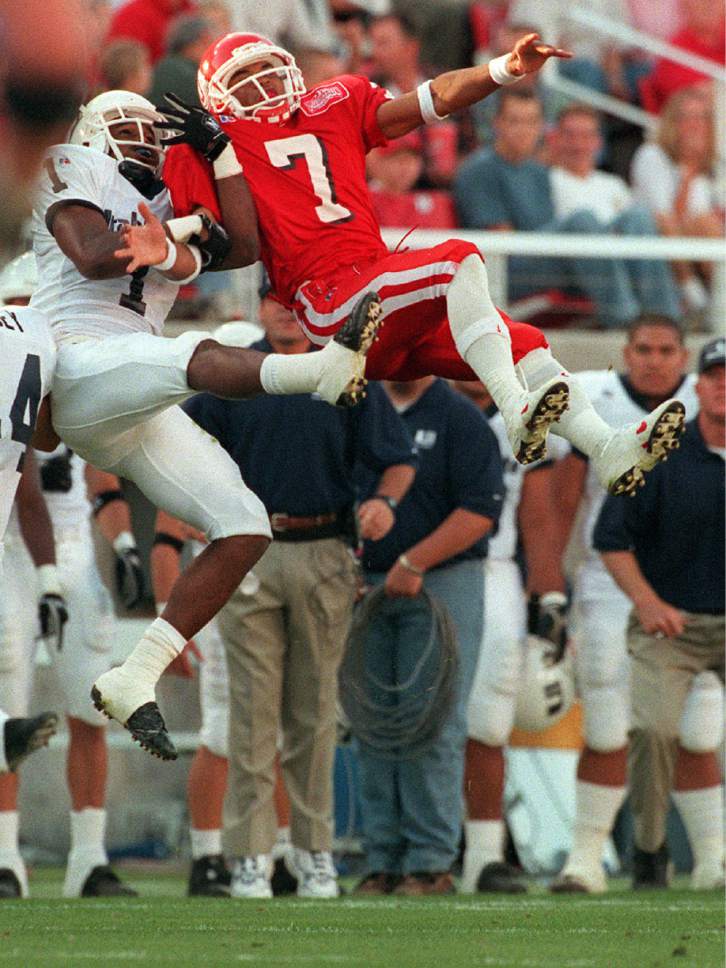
x=665 y=549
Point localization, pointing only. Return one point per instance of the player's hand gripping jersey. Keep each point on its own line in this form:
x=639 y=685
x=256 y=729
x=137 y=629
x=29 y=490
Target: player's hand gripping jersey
x=307 y=178
x=75 y=305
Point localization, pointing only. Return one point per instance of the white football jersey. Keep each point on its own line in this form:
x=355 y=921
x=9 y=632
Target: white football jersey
x=613 y=403
x=27 y=355
x=95 y=307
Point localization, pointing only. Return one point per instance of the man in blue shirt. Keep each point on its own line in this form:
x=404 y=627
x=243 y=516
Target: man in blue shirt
x=284 y=628
x=412 y=806
x=507 y=188
x=665 y=549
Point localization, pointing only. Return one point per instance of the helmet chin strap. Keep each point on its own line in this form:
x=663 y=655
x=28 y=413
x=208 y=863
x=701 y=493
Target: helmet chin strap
x=142 y=178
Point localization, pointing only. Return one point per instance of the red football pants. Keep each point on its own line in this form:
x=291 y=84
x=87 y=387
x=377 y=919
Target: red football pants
x=416 y=339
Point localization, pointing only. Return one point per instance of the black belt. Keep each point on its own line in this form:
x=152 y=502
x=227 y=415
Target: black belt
x=292 y=527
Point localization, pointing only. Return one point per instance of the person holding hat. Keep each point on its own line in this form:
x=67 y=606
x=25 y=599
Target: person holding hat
x=665 y=549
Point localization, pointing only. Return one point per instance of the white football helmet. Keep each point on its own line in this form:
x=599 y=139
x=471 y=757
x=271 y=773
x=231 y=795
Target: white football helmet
x=238 y=333
x=19 y=278
x=95 y=120
x=546 y=688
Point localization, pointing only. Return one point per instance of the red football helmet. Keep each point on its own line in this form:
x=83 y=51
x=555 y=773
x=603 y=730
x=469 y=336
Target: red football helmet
x=227 y=56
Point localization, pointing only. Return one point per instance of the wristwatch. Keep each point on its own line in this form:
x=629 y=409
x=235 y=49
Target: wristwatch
x=390 y=501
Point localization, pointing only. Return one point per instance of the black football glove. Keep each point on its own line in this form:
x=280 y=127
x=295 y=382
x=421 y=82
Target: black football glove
x=53 y=615
x=129 y=578
x=215 y=248
x=195 y=127
x=547 y=618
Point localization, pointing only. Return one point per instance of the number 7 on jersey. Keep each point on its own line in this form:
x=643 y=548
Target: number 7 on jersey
x=285 y=152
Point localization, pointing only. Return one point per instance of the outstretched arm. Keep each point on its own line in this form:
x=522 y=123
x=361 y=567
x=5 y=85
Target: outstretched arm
x=455 y=90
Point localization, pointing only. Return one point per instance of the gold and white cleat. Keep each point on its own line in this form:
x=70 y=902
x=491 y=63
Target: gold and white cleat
x=528 y=429
x=343 y=381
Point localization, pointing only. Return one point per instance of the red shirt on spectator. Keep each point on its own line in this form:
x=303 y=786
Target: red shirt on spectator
x=148 y=21
x=414 y=209
x=668 y=77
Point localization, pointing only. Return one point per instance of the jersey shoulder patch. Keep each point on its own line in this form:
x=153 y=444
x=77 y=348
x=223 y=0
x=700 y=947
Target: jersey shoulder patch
x=323 y=97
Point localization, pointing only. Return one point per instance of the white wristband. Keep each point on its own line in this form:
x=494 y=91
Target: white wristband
x=198 y=259
x=426 y=104
x=170 y=259
x=227 y=164
x=500 y=73
x=160 y=606
x=48 y=580
x=182 y=229
x=123 y=542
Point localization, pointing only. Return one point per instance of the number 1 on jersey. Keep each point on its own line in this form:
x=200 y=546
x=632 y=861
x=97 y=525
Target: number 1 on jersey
x=285 y=152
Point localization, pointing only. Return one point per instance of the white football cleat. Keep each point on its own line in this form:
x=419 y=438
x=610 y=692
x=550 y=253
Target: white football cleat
x=527 y=427
x=634 y=450
x=580 y=881
x=251 y=876
x=708 y=876
x=315 y=872
x=343 y=381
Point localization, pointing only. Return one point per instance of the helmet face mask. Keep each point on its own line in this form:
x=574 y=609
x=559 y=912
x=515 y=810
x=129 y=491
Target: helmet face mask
x=221 y=90
x=121 y=124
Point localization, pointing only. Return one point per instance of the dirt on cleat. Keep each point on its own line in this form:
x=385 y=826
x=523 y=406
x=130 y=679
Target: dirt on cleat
x=358 y=333
x=146 y=725
x=549 y=409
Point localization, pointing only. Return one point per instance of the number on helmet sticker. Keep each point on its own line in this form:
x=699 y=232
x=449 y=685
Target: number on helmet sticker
x=285 y=152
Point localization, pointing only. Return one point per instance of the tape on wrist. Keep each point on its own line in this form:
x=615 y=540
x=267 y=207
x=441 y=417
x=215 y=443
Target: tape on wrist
x=170 y=259
x=182 y=229
x=558 y=599
x=500 y=73
x=48 y=580
x=426 y=104
x=227 y=164
x=124 y=541
x=198 y=259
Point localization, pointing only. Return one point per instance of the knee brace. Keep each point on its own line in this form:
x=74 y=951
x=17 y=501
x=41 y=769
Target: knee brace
x=701 y=727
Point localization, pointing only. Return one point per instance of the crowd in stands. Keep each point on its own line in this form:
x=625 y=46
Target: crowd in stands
x=557 y=167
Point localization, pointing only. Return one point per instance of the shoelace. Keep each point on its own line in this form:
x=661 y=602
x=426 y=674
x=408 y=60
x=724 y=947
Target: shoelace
x=322 y=866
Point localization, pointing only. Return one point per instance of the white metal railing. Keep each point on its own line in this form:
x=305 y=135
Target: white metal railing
x=602 y=102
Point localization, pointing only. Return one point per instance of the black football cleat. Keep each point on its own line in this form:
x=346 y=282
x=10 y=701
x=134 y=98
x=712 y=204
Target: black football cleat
x=282 y=881
x=103 y=882
x=209 y=877
x=358 y=334
x=9 y=884
x=500 y=878
x=23 y=736
x=651 y=870
x=146 y=725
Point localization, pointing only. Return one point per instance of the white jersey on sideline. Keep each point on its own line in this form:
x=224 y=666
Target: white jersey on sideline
x=64 y=491
x=610 y=398
x=95 y=307
x=27 y=355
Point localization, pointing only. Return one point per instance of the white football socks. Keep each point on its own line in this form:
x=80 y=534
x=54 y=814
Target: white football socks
x=484 y=845
x=283 y=373
x=159 y=646
x=88 y=832
x=205 y=843
x=596 y=808
x=702 y=815
x=9 y=851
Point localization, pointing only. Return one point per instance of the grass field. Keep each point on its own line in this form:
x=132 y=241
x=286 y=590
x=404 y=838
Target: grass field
x=620 y=930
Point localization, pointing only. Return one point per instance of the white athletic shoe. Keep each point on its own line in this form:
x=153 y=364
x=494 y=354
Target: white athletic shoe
x=315 y=872
x=580 y=881
x=708 y=876
x=528 y=427
x=122 y=697
x=343 y=381
x=634 y=450
x=251 y=876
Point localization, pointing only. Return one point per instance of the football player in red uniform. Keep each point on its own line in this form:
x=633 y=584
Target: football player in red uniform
x=303 y=157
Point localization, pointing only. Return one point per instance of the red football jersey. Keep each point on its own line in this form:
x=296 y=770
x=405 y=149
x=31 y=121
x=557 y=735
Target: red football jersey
x=307 y=177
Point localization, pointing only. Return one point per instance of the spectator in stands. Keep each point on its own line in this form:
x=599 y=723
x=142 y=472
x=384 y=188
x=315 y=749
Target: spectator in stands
x=318 y=66
x=665 y=549
x=702 y=33
x=351 y=19
x=394 y=171
x=216 y=13
x=395 y=50
x=125 y=66
x=674 y=177
x=188 y=39
x=412 y=802
x=506 y=189
x=147 y=21
x=292 y=23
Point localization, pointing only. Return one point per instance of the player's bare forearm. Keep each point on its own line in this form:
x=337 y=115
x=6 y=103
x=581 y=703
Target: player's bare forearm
x=239 y=217
x=459 y=89
x=84 y=237
x=538 y=529
x=33 y=517
x=624 y=567
x=455 y=534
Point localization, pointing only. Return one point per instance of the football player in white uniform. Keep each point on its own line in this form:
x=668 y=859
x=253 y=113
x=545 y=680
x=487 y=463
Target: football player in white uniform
x=655 y=366
x=117 y=383
x=527 y=512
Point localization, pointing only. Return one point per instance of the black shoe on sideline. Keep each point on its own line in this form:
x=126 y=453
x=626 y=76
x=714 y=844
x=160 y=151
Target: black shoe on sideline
x=282 y=882
x=103 y=882
x=209 y=877
x=499 y=877
x=9 y=884
x=651 y=870
x=21 y=737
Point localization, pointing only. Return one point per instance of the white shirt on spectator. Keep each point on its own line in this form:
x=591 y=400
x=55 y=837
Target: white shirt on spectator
x=285 y=22
x=655 y=178
x=606 y=196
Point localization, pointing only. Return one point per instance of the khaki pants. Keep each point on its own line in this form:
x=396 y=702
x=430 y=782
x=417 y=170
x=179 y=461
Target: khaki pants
x=284 y=644
x=661 y=675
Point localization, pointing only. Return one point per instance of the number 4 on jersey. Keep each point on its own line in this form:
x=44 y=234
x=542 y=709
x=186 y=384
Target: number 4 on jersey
x=285 y=152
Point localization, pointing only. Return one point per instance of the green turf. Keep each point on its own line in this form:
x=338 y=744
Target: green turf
x=622 y=929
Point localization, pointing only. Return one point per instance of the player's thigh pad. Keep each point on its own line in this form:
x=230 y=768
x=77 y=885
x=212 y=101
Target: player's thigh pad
x=494 y=692
x=602 y=667
x=187 y=473
x=213 y=690
x=701 y=728
x=104 y=389
x=88 y=633
x=18 y=628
